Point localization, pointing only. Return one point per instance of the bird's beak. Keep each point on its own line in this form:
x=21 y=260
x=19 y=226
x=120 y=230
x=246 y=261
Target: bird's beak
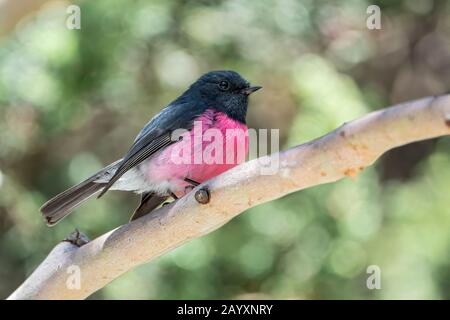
x=250 y=90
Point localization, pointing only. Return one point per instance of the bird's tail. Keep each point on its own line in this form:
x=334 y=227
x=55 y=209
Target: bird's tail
x=64 y=203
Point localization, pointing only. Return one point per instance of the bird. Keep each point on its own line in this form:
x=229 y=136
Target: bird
x=165 y=159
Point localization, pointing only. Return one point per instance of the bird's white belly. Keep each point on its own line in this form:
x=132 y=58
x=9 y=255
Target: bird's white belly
x=136 y=181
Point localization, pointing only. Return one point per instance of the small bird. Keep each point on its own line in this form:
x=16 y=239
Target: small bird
x=218 y=100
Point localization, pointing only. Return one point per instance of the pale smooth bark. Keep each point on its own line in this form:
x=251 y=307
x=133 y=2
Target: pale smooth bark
x=342 y=153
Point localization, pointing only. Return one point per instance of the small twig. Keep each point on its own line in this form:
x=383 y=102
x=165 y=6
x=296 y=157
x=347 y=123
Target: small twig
x=77 y=238
x=202 y=196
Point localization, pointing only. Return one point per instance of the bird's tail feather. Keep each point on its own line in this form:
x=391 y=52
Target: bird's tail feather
x=64 y=203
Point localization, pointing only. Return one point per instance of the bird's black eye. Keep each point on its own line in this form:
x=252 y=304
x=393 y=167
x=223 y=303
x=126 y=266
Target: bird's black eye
x=224 y=85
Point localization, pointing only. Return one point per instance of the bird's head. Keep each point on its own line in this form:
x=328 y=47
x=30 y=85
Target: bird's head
x=225 y=91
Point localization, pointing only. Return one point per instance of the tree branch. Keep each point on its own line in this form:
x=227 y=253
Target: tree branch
x=341 y=153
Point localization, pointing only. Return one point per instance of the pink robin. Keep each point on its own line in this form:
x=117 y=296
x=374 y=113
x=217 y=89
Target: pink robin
x=195 y=138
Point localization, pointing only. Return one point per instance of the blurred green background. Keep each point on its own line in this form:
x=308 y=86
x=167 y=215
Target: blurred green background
x=72 y=100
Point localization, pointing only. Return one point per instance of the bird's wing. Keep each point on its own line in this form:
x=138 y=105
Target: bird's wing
x=155 y=136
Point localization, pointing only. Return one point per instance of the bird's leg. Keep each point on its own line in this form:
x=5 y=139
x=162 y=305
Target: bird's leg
x=192 y=182
x=173 y=195
x=192 y=185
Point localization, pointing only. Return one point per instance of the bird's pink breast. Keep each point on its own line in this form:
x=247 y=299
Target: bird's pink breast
x=216 y=144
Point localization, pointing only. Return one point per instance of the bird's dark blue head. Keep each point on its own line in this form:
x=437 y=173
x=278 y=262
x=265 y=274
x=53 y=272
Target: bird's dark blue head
x=225 y=91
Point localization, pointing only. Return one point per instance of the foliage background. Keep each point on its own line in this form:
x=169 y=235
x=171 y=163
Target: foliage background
x=72 y=100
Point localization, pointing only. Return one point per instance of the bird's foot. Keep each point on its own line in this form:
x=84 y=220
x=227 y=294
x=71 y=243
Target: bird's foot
x=188 y=189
